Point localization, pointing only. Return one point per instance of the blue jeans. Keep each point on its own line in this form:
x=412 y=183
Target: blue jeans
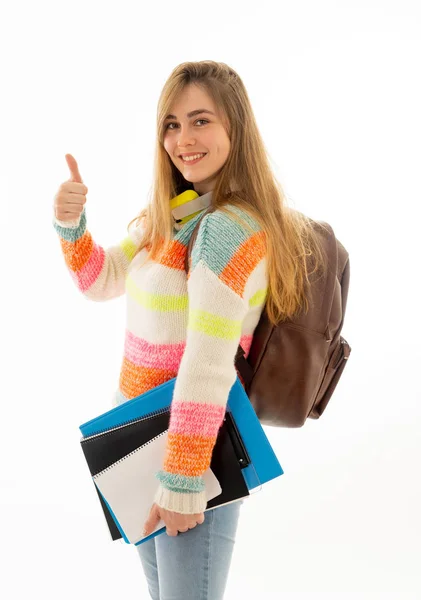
x=194 y=564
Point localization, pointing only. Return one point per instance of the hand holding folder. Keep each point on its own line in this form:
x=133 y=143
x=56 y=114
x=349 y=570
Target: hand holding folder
x=129 y=486
x=175 y=522
x=125 y=447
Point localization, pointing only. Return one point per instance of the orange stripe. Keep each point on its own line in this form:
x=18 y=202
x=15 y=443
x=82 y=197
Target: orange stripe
x=174 y=258
x=76 y=254
x=247 y=257
x=136 y=380
x=188 y=455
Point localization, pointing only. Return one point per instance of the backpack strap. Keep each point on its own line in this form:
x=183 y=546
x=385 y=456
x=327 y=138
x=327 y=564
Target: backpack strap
x=332 y=262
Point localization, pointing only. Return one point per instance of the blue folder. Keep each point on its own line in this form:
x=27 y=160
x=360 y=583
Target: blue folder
x=264 y=464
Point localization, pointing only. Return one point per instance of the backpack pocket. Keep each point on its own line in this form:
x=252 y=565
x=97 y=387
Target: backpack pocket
x=334 y=370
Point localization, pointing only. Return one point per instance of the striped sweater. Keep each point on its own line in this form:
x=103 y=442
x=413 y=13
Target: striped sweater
x=179 y=326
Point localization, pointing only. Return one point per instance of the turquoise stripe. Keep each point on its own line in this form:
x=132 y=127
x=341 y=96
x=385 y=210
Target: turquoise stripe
x=184 y=234
x=180 y=483
x=71 y=234
x=220 y=237
x=246 y=217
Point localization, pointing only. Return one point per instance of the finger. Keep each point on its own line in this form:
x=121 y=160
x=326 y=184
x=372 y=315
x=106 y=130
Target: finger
x=74 y=169
x=72 y=187
x=72 y=198
x=152 y=520
x=64 y=206
x=69 y=207
x=198 y=518
x=172 y=532
x=66 y=216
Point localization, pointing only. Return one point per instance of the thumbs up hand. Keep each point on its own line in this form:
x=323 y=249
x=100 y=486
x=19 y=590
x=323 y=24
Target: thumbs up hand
x=71 y=195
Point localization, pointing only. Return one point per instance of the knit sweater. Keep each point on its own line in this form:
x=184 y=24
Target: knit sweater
x=179 y=326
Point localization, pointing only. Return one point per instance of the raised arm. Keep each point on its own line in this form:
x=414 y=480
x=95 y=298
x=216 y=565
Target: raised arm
x=98 y=273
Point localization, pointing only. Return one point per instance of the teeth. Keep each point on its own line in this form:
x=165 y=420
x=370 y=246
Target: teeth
x=189 y=158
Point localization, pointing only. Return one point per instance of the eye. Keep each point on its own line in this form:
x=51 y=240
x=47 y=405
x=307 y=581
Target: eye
x=173 y=123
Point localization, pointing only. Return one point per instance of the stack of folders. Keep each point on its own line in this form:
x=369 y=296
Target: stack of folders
x=125 y=447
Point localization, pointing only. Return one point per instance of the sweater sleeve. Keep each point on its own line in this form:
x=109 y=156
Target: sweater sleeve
x=99 y=274
x=223 y=281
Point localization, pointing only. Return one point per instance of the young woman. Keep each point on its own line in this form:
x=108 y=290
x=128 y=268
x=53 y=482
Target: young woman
x=250 y=252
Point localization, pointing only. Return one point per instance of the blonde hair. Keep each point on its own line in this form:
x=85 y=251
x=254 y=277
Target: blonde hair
x=290 y=235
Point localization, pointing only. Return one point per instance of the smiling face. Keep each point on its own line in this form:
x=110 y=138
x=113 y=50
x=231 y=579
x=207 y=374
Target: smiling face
x=198 y=133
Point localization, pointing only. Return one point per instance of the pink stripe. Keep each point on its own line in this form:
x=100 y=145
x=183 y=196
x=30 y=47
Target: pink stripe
x=245 y=343
x=91 y=271
x=196 y=418
x=155 y=356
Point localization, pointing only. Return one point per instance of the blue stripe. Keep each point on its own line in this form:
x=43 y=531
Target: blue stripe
x=71 y=234
x=219 y=238
x=180 y=483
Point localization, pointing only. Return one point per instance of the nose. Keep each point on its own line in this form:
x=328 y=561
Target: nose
x=185 y=138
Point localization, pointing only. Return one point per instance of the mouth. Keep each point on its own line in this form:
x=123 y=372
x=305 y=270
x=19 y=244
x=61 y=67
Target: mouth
x=193 y=162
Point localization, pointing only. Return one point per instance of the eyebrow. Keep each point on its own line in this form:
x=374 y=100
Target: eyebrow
x=192 y=113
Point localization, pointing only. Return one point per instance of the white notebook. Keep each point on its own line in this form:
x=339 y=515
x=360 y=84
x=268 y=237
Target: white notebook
x=129 y=486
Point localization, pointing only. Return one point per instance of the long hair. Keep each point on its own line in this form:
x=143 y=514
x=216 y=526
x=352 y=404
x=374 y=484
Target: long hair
x=290 y=236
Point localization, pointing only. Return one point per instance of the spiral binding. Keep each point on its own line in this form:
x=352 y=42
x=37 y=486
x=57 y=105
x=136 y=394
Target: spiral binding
x=130 y=454
x=105 y=432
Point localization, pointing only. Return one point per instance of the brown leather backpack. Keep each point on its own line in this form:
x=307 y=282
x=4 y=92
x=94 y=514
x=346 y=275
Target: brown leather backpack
x=293 y=368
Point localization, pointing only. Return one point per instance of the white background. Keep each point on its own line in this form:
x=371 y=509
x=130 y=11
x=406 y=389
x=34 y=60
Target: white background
x=335 y=87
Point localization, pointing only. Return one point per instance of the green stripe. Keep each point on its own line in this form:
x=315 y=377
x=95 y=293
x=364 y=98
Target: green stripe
x=158 y=302
x=258 y=298
x=129 y=248
x=211 y=324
